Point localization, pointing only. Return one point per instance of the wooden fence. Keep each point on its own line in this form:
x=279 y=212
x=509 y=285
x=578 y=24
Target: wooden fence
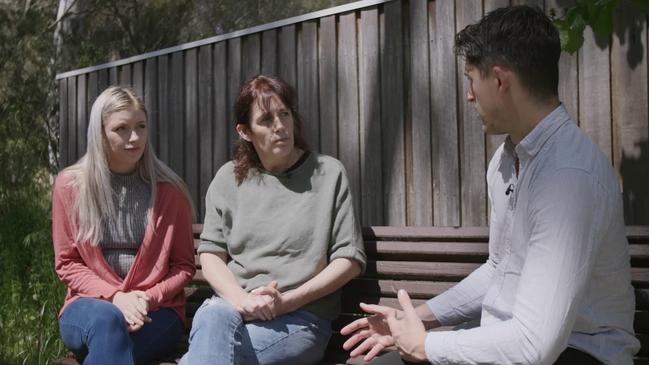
x=380 y=89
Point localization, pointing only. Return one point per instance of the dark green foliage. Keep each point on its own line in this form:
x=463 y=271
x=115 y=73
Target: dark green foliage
x=30 y=291
x=598 y=14
x=99 y=31
x=27 y=94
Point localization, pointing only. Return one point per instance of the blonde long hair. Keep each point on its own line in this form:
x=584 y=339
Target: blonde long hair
x=91 y=175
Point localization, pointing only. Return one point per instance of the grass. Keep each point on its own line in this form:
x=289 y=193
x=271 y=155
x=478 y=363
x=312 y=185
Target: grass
x=30 y=290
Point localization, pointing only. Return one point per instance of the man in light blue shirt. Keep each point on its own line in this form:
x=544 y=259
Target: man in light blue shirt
x=556 y=288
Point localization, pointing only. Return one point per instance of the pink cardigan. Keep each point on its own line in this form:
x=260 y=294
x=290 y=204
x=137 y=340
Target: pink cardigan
x=164 y=263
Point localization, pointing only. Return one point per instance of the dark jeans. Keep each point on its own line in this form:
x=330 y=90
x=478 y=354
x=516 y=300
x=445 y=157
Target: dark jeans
x=95 y=331
x=569 y=356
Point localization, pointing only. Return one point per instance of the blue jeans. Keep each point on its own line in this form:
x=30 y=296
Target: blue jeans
x=219 y=336
x=95 y=330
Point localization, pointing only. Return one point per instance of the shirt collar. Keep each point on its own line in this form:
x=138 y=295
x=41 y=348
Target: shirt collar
x=532 y=143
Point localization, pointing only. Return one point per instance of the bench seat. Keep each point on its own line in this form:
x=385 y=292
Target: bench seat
x=426 y=261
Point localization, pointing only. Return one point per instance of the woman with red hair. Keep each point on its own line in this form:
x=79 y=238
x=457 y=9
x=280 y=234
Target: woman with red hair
x=284 y=217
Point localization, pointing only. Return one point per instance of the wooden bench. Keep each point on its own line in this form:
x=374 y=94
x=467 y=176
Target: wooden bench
x=426 y=261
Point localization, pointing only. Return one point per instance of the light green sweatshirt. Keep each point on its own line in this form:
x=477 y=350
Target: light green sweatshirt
x=284 y=226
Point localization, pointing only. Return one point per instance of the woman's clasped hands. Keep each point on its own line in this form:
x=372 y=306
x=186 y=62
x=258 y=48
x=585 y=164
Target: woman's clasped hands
x=134 y=305
x=263 y=303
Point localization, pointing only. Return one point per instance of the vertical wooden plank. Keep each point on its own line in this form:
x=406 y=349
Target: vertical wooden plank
x=191 y=162
x=92 y=93
x=138 y=78
x=251 y=56
x=490 y=5
x=444 y=127
x=113 y=78
x=420 y=194
x=407 y=112
x=82 y=116
x=269 y=52
x=327 y=61
x=176 y=114
x=287 y=55
x=205 y=123
x=537 y=3
x=392 y=115
x=348 y=104
x=594 y=91
x=493 y=141
x=125 y=76
x=568 y=70
x=370 y=119
x=222 y=125
x=72 y=120
x=163 y=108
x=307 y=82
x=64 y=122
x=629 y=78
x=151 y=101
x=234 y=84
x=102 y=80
x=472 y=140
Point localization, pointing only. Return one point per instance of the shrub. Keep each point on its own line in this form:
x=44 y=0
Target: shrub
x=30 y=290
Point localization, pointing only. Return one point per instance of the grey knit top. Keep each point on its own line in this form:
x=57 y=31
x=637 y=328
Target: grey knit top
x=122 y=237
x=285 y=226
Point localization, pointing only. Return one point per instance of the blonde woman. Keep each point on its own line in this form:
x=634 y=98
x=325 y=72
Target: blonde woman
x=121 y=228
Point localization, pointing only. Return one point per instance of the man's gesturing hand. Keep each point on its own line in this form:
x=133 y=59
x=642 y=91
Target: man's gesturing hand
x=408 y=330
x=373 y=331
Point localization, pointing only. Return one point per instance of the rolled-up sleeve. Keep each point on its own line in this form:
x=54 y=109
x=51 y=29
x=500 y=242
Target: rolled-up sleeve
x=346 y=236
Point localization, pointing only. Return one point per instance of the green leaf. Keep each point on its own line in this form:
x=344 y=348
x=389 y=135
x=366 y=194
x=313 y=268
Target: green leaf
x=571 y=30
x=601 y=17
x=571 y=40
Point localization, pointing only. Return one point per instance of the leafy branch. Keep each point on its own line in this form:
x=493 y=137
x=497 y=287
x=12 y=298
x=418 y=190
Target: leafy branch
x=598 y=14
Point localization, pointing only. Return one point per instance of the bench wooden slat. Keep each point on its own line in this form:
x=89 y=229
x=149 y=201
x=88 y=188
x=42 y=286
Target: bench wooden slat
x=640 y=277
x=420 y=270
x=636 y=234
x=478 y=234
x=428 y=251
x=388 y=287
x=633 y=233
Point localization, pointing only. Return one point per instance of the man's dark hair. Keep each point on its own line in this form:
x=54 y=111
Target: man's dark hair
x=521 y=38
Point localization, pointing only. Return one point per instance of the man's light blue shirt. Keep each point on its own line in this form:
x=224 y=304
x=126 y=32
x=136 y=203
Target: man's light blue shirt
x=558 y=270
